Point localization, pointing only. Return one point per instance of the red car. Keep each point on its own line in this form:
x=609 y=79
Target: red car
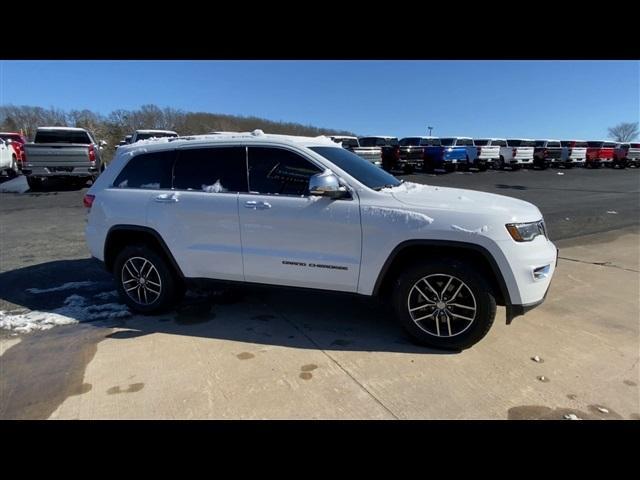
x=17 y=141
x=599 y=152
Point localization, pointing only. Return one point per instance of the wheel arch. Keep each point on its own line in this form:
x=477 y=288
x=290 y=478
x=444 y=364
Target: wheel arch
x=408 y=251
x=120 y=236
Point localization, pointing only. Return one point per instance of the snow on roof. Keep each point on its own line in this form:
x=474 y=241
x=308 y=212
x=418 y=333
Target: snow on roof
x=74 y=129
x=155 y=131
x=377 y=136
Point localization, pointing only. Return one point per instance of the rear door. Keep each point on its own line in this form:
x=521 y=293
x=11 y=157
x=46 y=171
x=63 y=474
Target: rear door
x=290 y=237
x=198 y=217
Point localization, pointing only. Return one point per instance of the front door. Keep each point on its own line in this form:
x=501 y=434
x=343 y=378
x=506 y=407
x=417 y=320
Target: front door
x=290 y=237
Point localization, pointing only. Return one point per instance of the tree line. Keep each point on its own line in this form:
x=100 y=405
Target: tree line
x=113 y=127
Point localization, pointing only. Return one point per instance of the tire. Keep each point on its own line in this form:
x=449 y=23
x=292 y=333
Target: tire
x=500 y=163
x=514 y=167
x=408 y=169
x=427 y=165
x=474 y=292
x=34 y=183
x=162 y=293
x=13 y=171
x=568 y=165
x=482 y=167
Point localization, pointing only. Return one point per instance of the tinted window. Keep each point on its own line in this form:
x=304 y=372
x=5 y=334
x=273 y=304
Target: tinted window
x=500 y=143
x=350 y=143
x=594 y=144
x=609 y=145
x=430 y=142
x=635 y=145
x=211 y=170
x=62 y=136
x=147 y=170
x=362 y=170
x=481 y=143
x=410 y=142
x=15 y=138
x=464 y=142
x=553 y=144
x=520 y=143
x=447 y=142
x=539 y=143
x=280 y=172
x=565 y=143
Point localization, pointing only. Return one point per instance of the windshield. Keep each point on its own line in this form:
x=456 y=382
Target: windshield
x=362 y=170
x=410 y=142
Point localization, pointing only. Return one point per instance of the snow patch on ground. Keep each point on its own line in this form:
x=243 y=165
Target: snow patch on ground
x=15 y=185
x=106 y=295
x=65 y=286
x=409 y=218
x=75 y=310
x=482 y=229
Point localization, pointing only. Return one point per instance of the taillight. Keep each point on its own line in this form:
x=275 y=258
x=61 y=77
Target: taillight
x=88 y=200
x=479 y=149
x=397 y=153
x=92 y=154
x=513 y=151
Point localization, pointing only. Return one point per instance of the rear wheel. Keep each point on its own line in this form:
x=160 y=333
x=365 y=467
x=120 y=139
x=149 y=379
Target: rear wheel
x=444 y=304
x=13 y=171
x=146 y=282
x=427 y=166
x=500 y=163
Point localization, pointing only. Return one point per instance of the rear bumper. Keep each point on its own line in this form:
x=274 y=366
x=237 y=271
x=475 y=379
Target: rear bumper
x=43 y=171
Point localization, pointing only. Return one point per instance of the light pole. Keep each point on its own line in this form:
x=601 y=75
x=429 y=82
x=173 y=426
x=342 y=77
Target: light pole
x=430 y=128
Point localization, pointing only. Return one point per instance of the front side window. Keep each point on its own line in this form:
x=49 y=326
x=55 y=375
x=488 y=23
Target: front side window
x=362 y=170
x=214 y=170
x=148 y=171
x=276 y=171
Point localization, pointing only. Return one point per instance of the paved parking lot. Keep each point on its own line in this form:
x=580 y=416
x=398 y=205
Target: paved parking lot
x=274 y=354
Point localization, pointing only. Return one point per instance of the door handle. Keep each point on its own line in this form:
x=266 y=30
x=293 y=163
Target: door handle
x=257 y=205
x=166 y=198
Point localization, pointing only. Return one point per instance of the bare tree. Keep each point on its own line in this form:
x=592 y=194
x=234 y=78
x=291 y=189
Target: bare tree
x=624 y=132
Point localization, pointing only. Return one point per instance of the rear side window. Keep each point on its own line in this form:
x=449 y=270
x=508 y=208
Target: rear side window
x=464 y=142
x=499 y=143
x=276 y=171
x=62 y=136
x=514 y=143
x=539 y=143
x=147 y=170
x=214 y=170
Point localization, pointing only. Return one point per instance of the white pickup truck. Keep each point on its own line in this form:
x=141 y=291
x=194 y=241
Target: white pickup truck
x=487 y=152
x=8 y=159
x=305 y=212
x=514 y=152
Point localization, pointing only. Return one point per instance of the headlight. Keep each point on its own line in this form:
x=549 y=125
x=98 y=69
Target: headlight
x=525 y=232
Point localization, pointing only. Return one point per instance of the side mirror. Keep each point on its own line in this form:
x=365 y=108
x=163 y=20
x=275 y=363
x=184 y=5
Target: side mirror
x=103 y=143
x=326 y=184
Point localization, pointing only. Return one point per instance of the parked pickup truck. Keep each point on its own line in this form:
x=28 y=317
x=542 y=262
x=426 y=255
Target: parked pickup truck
x=546 y=153
x=599 y=152
x=380 y=150
x=17 y=141
x=62 y=152
x=574 y=152
x=311 y=214
x=353 y=145
x=147 y=134
x=620 y=153
x=442 y=155
x=517 y=153
x=633 y=155
x=8 y=160
x=487 y=153
x=410 y=155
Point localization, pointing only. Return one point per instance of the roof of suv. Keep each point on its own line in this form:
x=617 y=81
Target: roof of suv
x=156 y=131
x=257 y=136
x=72 y=129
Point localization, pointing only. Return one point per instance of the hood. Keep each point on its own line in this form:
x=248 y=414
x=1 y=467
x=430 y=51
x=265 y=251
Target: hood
x=468 y=201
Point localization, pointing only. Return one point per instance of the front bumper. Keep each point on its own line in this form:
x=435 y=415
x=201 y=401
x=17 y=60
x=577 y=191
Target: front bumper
x=514 y=311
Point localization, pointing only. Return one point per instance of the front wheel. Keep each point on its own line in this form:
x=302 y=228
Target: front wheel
x=35 y=183
x=145 y=280
x=444 y=304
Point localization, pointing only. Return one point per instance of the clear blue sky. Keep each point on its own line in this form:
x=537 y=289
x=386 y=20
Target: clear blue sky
x=550 y=99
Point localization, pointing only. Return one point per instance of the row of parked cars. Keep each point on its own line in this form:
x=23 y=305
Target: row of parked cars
x=432 y=154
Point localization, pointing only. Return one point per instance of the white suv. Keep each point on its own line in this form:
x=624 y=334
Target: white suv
x=305 y=212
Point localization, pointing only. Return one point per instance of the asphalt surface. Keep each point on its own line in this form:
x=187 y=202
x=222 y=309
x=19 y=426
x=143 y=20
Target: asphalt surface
x=314 y=355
